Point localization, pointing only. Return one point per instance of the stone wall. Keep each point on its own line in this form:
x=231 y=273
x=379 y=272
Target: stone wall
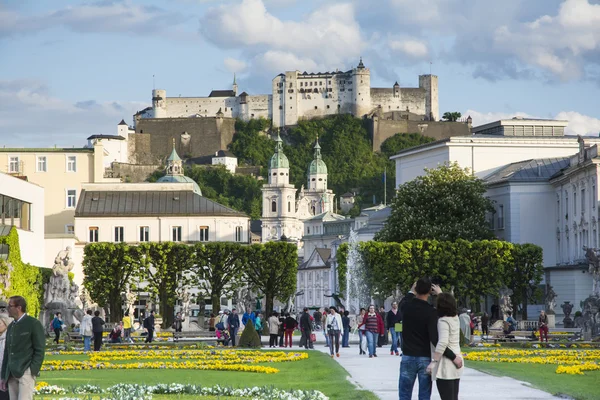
x=194 y=137
x=133 y=173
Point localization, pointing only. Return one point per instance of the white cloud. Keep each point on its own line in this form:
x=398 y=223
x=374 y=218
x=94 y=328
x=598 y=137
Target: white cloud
x=579 y=124
x=234 y=65
x=409 y=47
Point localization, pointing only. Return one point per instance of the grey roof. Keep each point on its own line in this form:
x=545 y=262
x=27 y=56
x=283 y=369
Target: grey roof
x=325 y=255
x=222 y=93
x=123 y=122
x=347 y=194
x=114 y=137
x=327 y=216
x=149 y=203
x=5 y=229
x=539 y=170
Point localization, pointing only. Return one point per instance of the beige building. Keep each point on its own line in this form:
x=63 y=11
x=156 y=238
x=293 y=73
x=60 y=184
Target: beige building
x=61 y=172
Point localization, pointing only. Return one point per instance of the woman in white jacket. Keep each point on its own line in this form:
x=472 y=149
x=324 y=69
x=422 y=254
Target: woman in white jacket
x=5 y=321
x=442 y=369
x=333 y=329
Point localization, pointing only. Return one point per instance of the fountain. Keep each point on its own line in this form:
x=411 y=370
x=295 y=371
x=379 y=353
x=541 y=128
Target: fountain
x=357 y=291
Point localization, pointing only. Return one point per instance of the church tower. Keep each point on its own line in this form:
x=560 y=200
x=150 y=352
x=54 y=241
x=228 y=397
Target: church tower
x=279 y=208
x=318 y=198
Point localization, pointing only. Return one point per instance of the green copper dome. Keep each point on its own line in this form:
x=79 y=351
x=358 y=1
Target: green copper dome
x=317 y=166
x=279 y=160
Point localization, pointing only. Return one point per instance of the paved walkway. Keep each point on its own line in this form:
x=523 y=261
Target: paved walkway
x=380 y=375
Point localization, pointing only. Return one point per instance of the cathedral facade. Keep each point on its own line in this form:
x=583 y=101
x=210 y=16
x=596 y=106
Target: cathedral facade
x=299 y=95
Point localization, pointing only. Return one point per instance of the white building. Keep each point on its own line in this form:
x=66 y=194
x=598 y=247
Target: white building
x=115 y=147
x=22 y=206
x=172 y=209
x=296 y=96
x=226 y=158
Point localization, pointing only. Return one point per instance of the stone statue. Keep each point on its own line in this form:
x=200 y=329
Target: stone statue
x=505 y=302
x=130 y=299
x=336 y=298
x=593 y=259
x=567 y=308
x=550 y=299
x=184 y=298
x=63 y=262
x=290 y=307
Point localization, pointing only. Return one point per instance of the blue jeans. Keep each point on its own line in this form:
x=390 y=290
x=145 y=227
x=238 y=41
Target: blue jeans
x=361 y=337
x=346 y=337
x=411 y=368
x=395 y=338
x=87 y=342
x=326 y=337
x=372 y=342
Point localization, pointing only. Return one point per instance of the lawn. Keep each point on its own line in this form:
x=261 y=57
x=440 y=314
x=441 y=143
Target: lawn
x=318 y=372
x=544 y=376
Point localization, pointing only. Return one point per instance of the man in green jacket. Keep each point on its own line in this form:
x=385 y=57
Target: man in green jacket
x=23 y=352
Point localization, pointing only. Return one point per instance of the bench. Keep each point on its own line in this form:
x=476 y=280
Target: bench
x=199 y=336
x=72 y=336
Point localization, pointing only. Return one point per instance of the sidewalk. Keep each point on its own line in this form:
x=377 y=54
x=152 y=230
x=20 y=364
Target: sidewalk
x=380 y=375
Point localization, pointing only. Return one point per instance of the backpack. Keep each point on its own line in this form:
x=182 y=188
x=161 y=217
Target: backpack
x=220 y=325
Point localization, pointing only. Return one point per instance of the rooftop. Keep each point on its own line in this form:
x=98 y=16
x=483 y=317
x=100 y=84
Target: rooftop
x=222 y=93
x=114 y=137
x=46 y=150
x=533 y=170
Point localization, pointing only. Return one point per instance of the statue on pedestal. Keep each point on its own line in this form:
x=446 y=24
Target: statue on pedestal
x=550 y=299
x=592 y=256
x=130 y=299
x=505 y=302
x=567 y=308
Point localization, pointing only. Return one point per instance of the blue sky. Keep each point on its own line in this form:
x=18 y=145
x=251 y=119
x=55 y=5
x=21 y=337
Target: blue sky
x=69 y=69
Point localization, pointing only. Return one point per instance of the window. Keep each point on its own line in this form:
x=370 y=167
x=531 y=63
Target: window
x=93 y=234
x=176 y=234
x=501 y=217
x=71 y=164
x=574 y=204
x=289 y=206
x=144 y=233
x=71 y=198
x=583 y=201
x=15 y=212
x=13 y=164
x=273 y=206
x=70 y=229
x=239 y=234
x=203 y=233
x=41 y=164
x=119 y=231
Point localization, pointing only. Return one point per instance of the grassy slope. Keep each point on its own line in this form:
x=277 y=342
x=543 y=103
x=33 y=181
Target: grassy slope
x=319 y=372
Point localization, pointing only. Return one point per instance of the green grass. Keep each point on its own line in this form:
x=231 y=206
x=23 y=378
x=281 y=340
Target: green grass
x=318 y=372
x=544 y=377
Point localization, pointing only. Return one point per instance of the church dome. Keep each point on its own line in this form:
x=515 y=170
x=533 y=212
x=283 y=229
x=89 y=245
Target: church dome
x=180 y=179
x=279 y=160
x=317 y=167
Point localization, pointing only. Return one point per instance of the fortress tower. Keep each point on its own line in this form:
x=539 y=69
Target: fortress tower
x=430 y=84
x=159 y=103
x=361 y=88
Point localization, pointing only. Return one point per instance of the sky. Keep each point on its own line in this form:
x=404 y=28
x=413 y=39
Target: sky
x=70 y=69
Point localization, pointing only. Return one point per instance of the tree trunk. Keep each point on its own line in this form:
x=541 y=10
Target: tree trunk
x=268 y=304
x=115 y=304
x=216 y=302
x=524 y=316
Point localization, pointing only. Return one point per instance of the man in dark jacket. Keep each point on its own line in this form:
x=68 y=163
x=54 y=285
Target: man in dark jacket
x=306 y=329
x=234 y=325
x=346 y=325
x=23 y=352
x=149 y=325
x=419 y=333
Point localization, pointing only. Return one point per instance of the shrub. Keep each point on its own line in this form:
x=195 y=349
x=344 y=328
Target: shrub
x=249 y=338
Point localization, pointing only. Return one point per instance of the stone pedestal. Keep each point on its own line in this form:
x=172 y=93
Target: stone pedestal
x=551 y=320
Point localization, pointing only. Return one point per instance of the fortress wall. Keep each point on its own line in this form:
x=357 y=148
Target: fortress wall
x=260 y=106
x=179 y=107
x=386 y=100
x=414 y=99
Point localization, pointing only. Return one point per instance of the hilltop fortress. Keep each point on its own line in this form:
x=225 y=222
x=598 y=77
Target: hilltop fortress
x=296 y=96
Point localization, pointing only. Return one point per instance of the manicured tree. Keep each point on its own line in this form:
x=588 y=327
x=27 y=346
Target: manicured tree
x=452 y=116
x=447 y=204
x=108 y=269
x=218 y=269
x=271 y=269
x=164 y=269
x=249 y=337
x=524 y=274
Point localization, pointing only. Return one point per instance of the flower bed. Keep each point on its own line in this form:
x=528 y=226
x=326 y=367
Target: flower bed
x=568 y=361
x=133 y=391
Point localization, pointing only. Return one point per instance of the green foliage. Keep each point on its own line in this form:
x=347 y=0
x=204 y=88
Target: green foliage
x=445 y=204
x=218 y=269
x=251 y=144
x=400 y=141
x=451 y=116
x=525 y=274
x=342 y=265
x=271 y=269
x=249 y=337
x=25 y=279
x=163 y=266
x=108 y=269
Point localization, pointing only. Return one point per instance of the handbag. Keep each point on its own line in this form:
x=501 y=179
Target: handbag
x=398 y=327
x=313 y=337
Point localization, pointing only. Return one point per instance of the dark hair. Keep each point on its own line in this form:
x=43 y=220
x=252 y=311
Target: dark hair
x=446 y=305
x=96 y=313
x=19 y=301
x=89 y=312
x=346 y=313
x=287 y=314
x=333 y=308
x=305 y=309
x=423 y=286
x=509 y=313
x=58 y=313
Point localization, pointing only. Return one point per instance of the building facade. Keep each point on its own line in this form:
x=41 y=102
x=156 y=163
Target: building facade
x=296 y=96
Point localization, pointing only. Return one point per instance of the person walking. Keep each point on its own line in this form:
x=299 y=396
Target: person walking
x=323 y=322
x=306 y=330
x=86 y=330
x=333 y=328
x=394 y=323
x=127 y=328
x=97 y=330
x=248 y=316
x=373 y=328
x=419 y=333
x=4 y=323
x=485 y=323
x=234 y=325
x=24 y=350
x=149 y=326
x=281 y=332
x=290 y=325
x=360 y=320
x=273 y=329
x=442 y=370
x=543 y=326
x=346 y=330
x=383 y=339
x=57 y=326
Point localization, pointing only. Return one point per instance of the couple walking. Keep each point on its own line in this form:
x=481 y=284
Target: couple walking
x=424 y=326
